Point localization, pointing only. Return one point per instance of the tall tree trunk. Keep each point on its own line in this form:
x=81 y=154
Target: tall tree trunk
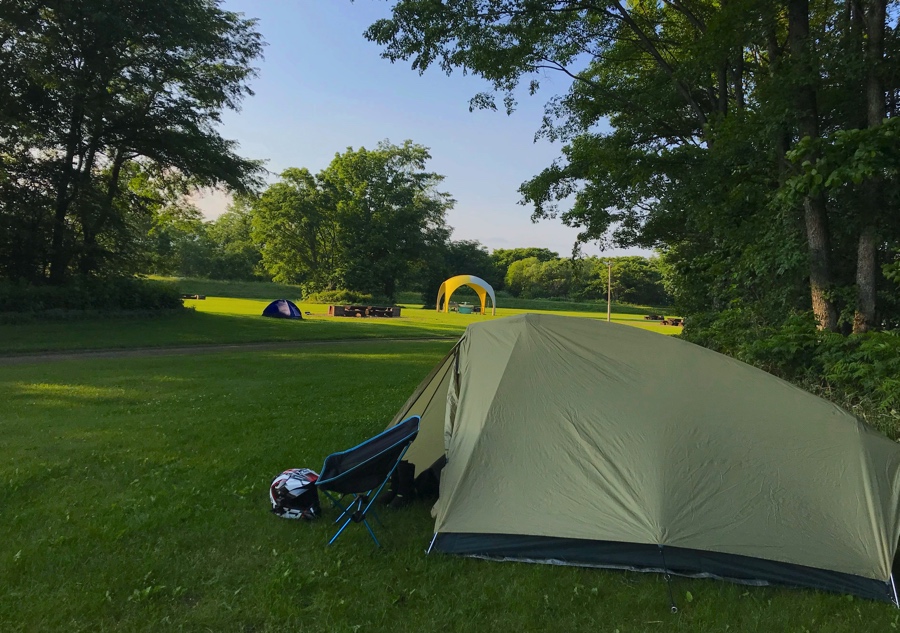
x=89 y=225
x=59 y=256
x=866 y=271
x=814 y=206
x=782 y=134
x=723 y=88
x=873 y=190
x=737 y=80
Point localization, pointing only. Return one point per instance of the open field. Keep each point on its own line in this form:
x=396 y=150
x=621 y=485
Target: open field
x=270 y=290
x=134 y=499
x=219 y=320
x=233 y=289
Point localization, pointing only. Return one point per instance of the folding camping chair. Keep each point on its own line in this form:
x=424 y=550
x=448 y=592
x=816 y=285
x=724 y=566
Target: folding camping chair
x=363 y=471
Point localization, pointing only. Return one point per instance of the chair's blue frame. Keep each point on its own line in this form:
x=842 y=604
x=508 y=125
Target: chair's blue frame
x=363 y=501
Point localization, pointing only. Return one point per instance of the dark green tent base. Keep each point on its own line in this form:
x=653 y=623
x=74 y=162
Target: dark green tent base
x=649 y=558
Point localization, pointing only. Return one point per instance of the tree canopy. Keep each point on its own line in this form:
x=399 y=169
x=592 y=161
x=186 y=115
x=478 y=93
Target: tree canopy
x=753 y=142
x=363 y=223
x=90 y=87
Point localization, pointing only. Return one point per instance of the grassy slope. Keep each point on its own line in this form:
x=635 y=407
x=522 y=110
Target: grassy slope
x=230 y=320
x=234 y=289
x=134 y=499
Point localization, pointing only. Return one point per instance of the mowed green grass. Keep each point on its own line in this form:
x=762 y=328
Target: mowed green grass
x=224 y=320
x=134 y=498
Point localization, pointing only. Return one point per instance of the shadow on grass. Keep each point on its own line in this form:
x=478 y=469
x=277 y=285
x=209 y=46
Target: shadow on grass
x=199 y=328
x=133 y=513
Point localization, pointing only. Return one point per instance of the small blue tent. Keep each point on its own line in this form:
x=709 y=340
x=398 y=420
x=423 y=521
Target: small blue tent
x=282 y=309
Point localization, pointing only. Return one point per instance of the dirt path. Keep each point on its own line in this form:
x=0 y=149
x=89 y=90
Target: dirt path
x=145 y=352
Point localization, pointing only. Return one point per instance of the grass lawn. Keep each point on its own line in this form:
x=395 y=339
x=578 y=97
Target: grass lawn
x=234 y=289
x=134 y=496
x=235 y=320
x=269 y=290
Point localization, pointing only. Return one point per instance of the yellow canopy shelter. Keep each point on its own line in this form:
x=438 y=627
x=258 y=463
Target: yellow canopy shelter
x=478 y=284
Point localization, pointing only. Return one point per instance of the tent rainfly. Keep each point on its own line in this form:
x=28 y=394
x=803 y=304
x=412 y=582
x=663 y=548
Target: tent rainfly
x=481 y=287
x=282 y=309
x=590 y=443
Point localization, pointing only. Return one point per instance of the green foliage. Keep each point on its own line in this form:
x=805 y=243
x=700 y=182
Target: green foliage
x=180 y=243
x=683 y=131
x=92 y=88
x=235 y=256
x=295 y=226
x=94 y=295
x=368 y=222
x=843 y=159
x=521 y=276
x=636 y=280
x=442 y=261
x=865 y=368
x=233 y=288
x=856 y=369
x=389 y=211
x=344 y=297
x=503 y=258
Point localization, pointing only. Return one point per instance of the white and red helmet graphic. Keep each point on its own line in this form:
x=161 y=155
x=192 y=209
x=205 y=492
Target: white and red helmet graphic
x=293 y=494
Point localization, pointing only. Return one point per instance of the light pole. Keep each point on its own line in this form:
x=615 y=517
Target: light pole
x=608 y=291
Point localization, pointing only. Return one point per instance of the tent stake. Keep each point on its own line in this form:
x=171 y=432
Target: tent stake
x=430 y=545
x=668 y=580
x=894 y=589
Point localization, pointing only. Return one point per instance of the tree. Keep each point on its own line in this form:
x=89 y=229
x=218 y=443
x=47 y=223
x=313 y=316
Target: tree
x=638 y=280
x=236 y=256
x=90 y=86
x=504 y=257
x=463 y=257
x=389 y=211
x=296 y=228
x=522 y=277
x=708 y=105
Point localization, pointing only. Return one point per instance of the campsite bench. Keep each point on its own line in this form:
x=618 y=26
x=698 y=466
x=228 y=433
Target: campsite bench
x=673 y=321
x=653 y=317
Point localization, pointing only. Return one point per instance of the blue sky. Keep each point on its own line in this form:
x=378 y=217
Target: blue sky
x=323 y=87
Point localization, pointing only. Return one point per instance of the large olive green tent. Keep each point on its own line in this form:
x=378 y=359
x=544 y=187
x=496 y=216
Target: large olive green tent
x=591 y=443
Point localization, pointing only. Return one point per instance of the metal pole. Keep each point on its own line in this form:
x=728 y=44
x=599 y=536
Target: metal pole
x=894 y=589
x=609 y=292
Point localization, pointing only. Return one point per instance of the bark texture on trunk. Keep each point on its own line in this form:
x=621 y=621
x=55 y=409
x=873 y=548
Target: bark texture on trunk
x=819 y=262
x=814 y=206
x=59 y=255
x=873 y=190
x=866 y=272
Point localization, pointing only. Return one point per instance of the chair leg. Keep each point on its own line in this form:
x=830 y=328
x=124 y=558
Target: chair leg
x=363 y=503
x=338 y=533
x=371 y=533
x=358 y=516
x=337 y=504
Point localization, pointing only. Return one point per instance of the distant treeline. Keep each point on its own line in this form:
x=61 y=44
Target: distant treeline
x=226 y=249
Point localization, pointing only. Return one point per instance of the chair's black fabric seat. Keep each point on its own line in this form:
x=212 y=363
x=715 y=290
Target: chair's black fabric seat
x=366 y=466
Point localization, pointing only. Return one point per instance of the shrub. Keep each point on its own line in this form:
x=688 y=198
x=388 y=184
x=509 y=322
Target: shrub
x=345 y=297
x=860 y=369
x=92 y=295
